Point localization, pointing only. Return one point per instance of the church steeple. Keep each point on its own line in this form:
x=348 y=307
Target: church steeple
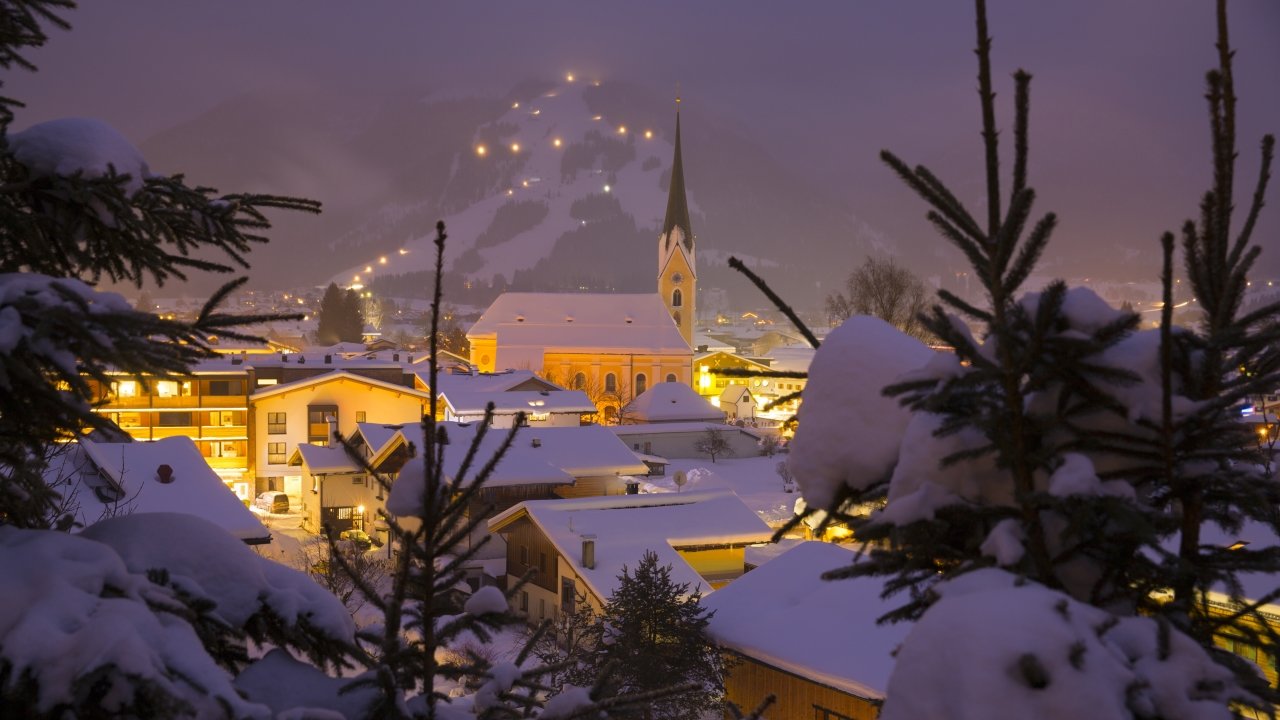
x=677 y=268
x=677 y=203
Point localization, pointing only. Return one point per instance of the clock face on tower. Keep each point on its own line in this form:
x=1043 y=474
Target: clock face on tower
x=677 y=278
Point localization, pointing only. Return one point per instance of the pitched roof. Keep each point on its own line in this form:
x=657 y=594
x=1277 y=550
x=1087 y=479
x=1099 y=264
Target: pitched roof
x=625 y=526
x=336 y=375
x=526 y=325
x=677 y=202
x=126 y=475
x=538 y=456
x=508 y=403
x=680 y=427
x=324 y=460
x=784 y=614
x=672 y=402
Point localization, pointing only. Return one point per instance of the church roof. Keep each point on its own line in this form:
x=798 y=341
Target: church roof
x=596 y=322
x=677 y=202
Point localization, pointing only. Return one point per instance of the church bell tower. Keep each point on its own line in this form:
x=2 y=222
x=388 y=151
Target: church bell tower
x=677 y=277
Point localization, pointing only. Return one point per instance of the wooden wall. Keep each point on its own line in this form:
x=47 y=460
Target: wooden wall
x=749 y=681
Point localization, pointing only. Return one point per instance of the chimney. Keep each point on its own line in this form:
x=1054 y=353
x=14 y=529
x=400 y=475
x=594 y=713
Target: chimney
x=164 y=474
x=536 y=442
x=589 y=552
x=328 y=359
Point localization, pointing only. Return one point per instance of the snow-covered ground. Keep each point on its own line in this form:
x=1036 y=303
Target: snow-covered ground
x=755 y=480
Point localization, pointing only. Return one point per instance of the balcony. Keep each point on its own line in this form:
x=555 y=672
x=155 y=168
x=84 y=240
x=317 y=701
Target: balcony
x=190 y=431
x=238 y=432
x=228 y=463
x=231 y=402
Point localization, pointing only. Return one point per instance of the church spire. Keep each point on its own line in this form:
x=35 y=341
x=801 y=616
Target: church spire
x=677 y=203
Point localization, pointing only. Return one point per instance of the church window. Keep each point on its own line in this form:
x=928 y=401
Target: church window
x=642 y=383
x=579 y=381
x=671 y=377
x=675 y=315
x=677 y=298
x=611 y=383
x=677 y=279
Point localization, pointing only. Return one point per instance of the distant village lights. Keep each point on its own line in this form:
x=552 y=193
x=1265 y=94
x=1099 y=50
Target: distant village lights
x=622 y=130
x=568 y=77
x=556 y=142
x=648 y=134
x=482 y=150
x=515 y=147
x=382 y=260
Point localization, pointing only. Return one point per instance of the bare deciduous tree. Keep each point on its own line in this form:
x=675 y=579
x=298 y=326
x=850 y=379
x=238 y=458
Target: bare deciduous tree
x=884 y=289
x=712 y=443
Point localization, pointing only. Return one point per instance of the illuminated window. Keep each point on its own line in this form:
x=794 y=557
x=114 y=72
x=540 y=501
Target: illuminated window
x=127 y=388
x=360 y=416
x=276 y=453
x=276 y=423
x=611 y=383
x=579 y=381
x=167 y=388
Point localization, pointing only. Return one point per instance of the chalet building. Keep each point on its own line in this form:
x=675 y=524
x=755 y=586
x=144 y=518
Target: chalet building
x=337 y=490
x=813 y=644
x=301 y=412
x=738 y=403
x=580 y=546
x=612 y=346
x=542 y=463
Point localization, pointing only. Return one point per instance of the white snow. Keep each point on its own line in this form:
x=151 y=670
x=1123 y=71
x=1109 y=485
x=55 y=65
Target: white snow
x=785 y=615
x=625 y=526
x=978 y=652
x=70 y=145
x=572 y=699
x=128 y=471
x=207 y=562
x=295 y=689
x=538 y=456
x=488 y=599
x=671 y=402
x=69 y=606
x=1005 y=543
x=849 y=432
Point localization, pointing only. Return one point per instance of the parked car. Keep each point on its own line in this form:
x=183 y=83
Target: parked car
x=358 y=537
x=272 y=501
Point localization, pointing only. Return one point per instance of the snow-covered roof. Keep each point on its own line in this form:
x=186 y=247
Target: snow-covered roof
x=734 y=393
x=336 y=376
x=671 y=402
x=323 y=460
x=507 y=403
x=379 y=437
x=529 y=324
x=712 y=344
x=792 y=358
x=679 y=428
x=784 y=614
x=625 y=526
x=538 y=456
x=126 y=472
x=504 y=381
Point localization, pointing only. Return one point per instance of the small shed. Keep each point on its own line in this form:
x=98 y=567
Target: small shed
x=738 y=403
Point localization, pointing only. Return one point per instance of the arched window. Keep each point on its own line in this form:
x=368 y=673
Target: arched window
x=671 y=377
x=611 y=383
x=675 y=315
x=579 y=381
x=610 y=415
x=642 y=383
x=677 y=298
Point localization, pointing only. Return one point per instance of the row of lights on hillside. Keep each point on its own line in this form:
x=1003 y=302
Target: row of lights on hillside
x=483 y=150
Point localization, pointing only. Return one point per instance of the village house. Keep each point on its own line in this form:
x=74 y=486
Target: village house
x=812 y=643
x=580 y=546
x=670 y=402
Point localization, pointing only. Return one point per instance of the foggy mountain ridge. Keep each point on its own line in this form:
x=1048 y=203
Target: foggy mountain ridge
x=388 y=167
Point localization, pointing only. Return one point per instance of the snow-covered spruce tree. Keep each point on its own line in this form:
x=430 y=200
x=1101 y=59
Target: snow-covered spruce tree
x=145 y=615
x=432 y=513
x=1050 y=490
x=653 y=630
x=78 y=205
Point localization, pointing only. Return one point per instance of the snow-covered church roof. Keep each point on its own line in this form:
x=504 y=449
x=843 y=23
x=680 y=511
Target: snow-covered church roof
x=526 y=325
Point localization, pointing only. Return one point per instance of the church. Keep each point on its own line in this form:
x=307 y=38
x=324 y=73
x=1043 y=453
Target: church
x=612 y=346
